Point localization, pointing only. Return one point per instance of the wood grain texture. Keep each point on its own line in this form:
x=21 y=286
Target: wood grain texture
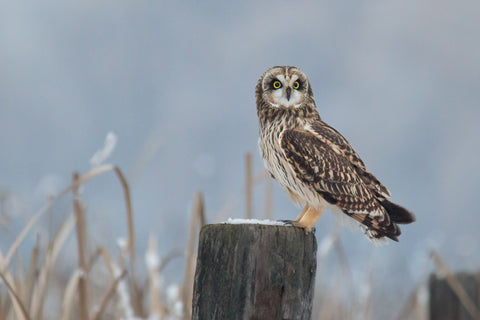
x=445 y=303
x=249 y=271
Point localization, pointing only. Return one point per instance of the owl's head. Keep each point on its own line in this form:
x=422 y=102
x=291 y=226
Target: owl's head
x=283 y=87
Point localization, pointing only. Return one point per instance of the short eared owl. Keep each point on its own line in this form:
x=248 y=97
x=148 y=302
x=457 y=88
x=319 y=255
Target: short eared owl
x=314 y=163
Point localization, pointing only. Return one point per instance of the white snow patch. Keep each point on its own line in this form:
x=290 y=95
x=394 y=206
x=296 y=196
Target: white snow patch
x=256 y=221
x=122 y=292
x=122 y=243
x=178 y=308
x=103 y=154
x=152 y=260
x=173 y=293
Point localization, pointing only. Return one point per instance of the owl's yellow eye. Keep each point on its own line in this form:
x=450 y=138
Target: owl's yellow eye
x=277 y=84
x=296 y=85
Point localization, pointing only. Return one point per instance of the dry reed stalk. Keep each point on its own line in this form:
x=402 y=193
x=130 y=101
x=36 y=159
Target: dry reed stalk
x=128 y=204
x=20 y=279
x=5 y=310
x=36 y=281
x=108 y=260
x=455 y=285
x=124 y=302
x=410 y=306
x=108 y=295
x=268 y=198
x=157 y=307
x=330 y=309
x=93 y=258
x=20 y=237
x=50 y=215
x=137 y=296
x=2 y=258
x=197 y=221
x=82 y=179
x=69 y=295
x=4 y=261
x=248 y=186
x=82 y=249
x=32 y=275
x=19 y=308
x=40 y=287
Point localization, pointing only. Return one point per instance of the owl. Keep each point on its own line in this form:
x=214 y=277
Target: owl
x=314 y=164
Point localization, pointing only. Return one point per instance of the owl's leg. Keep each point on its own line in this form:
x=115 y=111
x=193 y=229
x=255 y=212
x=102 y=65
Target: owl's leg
x=309 y=219
x=301 y=214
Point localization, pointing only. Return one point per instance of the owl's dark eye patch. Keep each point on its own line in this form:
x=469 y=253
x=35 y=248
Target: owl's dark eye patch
x=298 y=85
x=276 y=84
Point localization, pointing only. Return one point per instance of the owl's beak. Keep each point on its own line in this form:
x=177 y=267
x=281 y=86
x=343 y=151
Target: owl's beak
x=289 y=91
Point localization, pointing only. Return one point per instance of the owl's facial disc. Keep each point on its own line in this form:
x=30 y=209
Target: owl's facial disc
x=285 y=91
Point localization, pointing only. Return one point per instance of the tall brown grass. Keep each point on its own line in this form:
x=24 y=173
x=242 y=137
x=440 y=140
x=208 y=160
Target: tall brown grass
x=105 y=285
x=82 y=295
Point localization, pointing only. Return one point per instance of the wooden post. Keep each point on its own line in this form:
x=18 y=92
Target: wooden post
x=254 y=271
x=444 y=297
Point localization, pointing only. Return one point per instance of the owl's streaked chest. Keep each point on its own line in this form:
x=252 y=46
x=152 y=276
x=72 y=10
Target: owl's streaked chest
x=269 y=144
x=276 y=162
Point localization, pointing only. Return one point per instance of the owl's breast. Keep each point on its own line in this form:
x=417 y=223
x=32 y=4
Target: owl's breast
x=271 y=151
x=276 y=162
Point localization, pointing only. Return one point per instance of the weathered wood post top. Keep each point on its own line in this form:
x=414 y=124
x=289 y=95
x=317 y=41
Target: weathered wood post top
x=254 y=271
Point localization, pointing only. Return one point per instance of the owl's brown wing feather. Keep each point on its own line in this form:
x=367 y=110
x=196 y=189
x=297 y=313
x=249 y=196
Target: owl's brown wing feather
x=330 y=135
x=323 y=167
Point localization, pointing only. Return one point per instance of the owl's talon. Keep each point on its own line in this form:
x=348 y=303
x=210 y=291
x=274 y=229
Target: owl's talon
x=307 y=229
x=295 y=223
x=311 y=229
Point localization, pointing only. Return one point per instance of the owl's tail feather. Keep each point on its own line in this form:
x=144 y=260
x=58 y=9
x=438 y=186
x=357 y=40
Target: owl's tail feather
x=378 y=227
x=398 y=214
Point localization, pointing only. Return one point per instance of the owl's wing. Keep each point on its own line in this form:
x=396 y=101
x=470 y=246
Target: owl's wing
x=332 y=136
x=323 y=167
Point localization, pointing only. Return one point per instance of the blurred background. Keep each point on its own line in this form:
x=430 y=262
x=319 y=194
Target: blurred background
x=175 y=82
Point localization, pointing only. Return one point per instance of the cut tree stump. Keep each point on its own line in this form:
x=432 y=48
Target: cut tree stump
x=254 y=272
